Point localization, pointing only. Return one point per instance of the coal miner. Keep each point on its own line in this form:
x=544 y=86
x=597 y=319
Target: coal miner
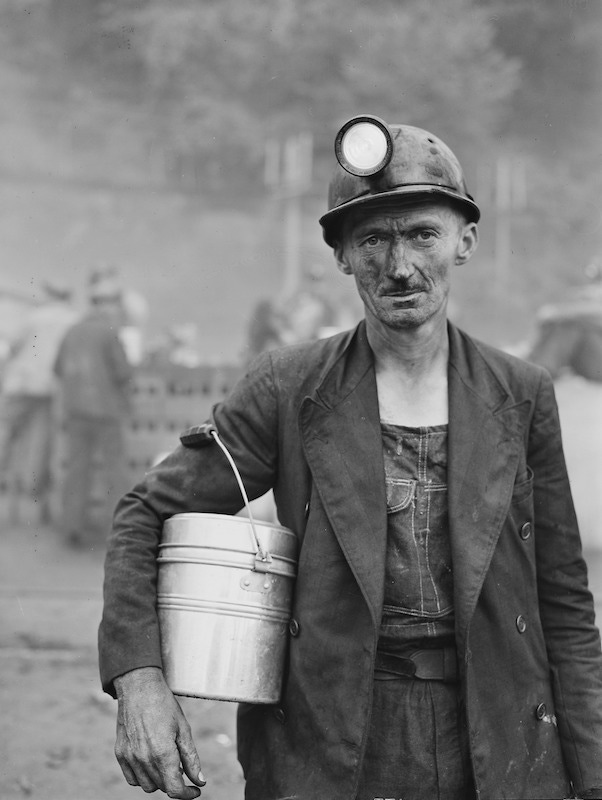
x=442 y=641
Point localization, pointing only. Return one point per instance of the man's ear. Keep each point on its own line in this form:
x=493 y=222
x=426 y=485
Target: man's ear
x=467 y=243
x=341 y=261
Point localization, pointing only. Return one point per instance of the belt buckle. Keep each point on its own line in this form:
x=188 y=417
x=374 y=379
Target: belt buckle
x=423 y=660
x=438 y=665
x=393 y=664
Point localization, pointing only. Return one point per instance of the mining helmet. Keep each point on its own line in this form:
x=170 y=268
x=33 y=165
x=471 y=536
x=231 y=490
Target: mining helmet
x=380 y=162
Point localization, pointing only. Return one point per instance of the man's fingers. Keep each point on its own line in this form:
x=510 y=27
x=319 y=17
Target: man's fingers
x=173 y=781
x=128 y=772
x=136 y=770
x=189 y=755
x=165 y=770
x=136 y=775
x=184 y=793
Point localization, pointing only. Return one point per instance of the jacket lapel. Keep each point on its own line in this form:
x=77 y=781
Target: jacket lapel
x=340 y=429
x=484 y=444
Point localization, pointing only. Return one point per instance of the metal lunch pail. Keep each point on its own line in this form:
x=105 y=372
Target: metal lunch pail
x=225 y=588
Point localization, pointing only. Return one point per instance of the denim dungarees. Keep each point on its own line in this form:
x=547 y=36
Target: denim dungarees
x=417 y=745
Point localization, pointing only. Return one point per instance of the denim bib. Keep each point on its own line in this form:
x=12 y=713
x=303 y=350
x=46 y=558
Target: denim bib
x=418 y=602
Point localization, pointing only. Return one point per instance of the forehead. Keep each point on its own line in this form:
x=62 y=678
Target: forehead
x=396 y=213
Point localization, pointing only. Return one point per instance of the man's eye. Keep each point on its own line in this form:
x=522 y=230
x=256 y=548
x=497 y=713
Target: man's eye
x=424 y=235
x=373 y=241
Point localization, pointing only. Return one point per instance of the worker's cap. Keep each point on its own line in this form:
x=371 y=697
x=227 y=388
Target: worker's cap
x=380 y=163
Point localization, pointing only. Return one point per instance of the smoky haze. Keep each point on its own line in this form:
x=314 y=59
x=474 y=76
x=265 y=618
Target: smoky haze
x=184 y=149
x=136 y=134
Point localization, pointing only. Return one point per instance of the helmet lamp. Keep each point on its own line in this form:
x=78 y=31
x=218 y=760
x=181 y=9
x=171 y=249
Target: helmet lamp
x=364 y=146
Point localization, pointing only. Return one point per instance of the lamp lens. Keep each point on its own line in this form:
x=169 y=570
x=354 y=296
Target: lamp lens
x=364 y=146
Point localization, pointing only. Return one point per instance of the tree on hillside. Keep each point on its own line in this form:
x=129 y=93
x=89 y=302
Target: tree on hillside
x=558 y=45
x=555 y=117
x=221 y=76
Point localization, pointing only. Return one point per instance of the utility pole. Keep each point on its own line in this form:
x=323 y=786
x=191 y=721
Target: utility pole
x=288 y=171
x=503 y=229
x=510 y=197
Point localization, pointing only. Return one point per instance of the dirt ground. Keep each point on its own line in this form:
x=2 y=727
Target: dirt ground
x=57 y=732
x=57 y=725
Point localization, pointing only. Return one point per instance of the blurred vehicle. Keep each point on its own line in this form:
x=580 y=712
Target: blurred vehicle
x=569 y=336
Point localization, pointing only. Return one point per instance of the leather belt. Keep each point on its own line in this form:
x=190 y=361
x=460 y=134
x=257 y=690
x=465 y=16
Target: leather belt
x=426 y=665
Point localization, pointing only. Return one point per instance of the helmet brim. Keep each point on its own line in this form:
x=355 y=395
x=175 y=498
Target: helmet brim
x=332 y=220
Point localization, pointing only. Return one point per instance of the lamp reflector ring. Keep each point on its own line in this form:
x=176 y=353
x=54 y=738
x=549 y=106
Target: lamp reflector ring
x=364 y=146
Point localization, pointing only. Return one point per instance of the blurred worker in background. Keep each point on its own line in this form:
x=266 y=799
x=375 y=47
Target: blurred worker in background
x=29 y=393
x=132 y=333
x=264 y=329
x=306 y=314
x=442 y=640
x=94 y=375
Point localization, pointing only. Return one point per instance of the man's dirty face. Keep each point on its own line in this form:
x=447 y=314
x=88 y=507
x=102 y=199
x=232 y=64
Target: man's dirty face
x=401 y=259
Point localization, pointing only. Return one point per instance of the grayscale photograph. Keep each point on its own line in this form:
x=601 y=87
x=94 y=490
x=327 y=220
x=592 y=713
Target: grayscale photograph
x=301 y=399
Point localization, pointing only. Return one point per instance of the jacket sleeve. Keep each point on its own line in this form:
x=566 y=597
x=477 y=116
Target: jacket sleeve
x=190 y=479
x=566 y=604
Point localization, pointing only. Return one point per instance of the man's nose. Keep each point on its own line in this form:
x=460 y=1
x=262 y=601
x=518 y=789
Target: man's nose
x=400 y=260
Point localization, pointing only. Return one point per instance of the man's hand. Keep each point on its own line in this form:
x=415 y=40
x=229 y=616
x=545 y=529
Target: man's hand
x=154 y=737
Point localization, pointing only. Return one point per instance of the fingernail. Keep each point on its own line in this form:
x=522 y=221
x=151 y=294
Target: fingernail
x=202 y=778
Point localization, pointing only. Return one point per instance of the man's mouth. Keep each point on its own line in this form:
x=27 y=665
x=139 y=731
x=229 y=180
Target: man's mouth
x=404 y=292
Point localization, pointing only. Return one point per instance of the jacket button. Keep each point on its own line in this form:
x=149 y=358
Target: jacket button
x=294 y=627
x=541 y=711
x=280 y=716
x=521 y=624
x=525 y=531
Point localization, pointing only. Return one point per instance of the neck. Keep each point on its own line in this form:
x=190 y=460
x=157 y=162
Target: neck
x=409 y=351
x=411 y=372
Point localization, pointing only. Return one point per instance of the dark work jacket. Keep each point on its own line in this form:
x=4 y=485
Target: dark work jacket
x=305 y=421
x=93 y=370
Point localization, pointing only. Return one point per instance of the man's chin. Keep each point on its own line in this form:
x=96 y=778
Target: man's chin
x=405 y=318
x=411 y=318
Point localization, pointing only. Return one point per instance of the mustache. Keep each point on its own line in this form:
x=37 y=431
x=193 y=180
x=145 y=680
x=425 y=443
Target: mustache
x=405 y=286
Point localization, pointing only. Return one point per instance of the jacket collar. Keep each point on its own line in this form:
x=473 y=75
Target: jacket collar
x=467 y=363
x=353 y=362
